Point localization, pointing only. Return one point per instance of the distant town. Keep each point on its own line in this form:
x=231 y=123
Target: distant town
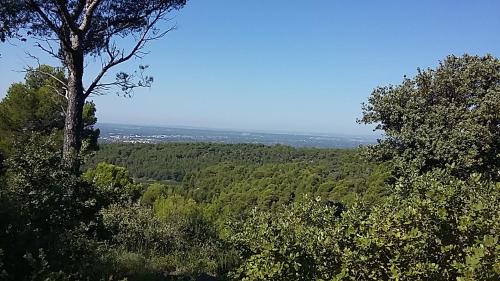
x=117 y=133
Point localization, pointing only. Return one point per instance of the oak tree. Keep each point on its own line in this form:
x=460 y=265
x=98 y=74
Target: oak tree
x=447 y=118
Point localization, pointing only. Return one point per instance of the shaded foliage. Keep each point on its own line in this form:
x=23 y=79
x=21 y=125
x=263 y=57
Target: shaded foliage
x=46 y=214
x=173 y=239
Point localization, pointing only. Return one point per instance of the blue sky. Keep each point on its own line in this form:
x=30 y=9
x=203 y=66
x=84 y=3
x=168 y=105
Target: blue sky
x=301 y=66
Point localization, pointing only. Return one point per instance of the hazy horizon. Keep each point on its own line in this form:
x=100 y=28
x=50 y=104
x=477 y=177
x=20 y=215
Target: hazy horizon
x=306 y=133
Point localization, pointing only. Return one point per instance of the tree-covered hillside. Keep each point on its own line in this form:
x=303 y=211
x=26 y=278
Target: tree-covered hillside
x=172 y=161
x=250 y=175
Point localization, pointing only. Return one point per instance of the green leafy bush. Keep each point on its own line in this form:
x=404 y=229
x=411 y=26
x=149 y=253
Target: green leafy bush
x=442 y=229
x=291 y=243
x=154 y=192
x=114 y=182
x=174 y=239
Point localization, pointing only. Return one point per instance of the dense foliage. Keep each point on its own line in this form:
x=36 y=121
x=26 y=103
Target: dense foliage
x=232 y=191
x=446 y=229
x=47 y=215
x=60 y=226
x=231 y=179
x=172 y=239
x=172 y=161
x=447 y=118
x=37 y=105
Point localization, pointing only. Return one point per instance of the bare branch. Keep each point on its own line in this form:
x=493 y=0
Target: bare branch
x=58 y=92
x=147 y=35
x=38 y=70
x=49 y=49
x=127 y=82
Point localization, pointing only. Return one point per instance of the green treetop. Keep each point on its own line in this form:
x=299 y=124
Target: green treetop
x=38 y=105
x=448 y=117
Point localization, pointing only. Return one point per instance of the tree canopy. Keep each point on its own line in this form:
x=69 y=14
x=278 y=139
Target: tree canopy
x=99 y=21
x=36 y=105
x=448 y=117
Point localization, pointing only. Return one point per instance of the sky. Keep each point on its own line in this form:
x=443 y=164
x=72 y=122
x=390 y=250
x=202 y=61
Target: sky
x=284 y=65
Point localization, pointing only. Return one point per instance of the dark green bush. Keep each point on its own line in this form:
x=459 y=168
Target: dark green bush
x=46 y=212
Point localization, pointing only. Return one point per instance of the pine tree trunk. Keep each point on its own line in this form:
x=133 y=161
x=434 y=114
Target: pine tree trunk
x=73 y=124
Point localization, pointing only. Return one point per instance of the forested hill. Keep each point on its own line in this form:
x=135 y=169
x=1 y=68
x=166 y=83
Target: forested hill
x=171 y=161
x=249 y=172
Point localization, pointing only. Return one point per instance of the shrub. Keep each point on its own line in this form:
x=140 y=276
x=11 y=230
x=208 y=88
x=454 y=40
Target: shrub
x=436 y=227
x=46 y=212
